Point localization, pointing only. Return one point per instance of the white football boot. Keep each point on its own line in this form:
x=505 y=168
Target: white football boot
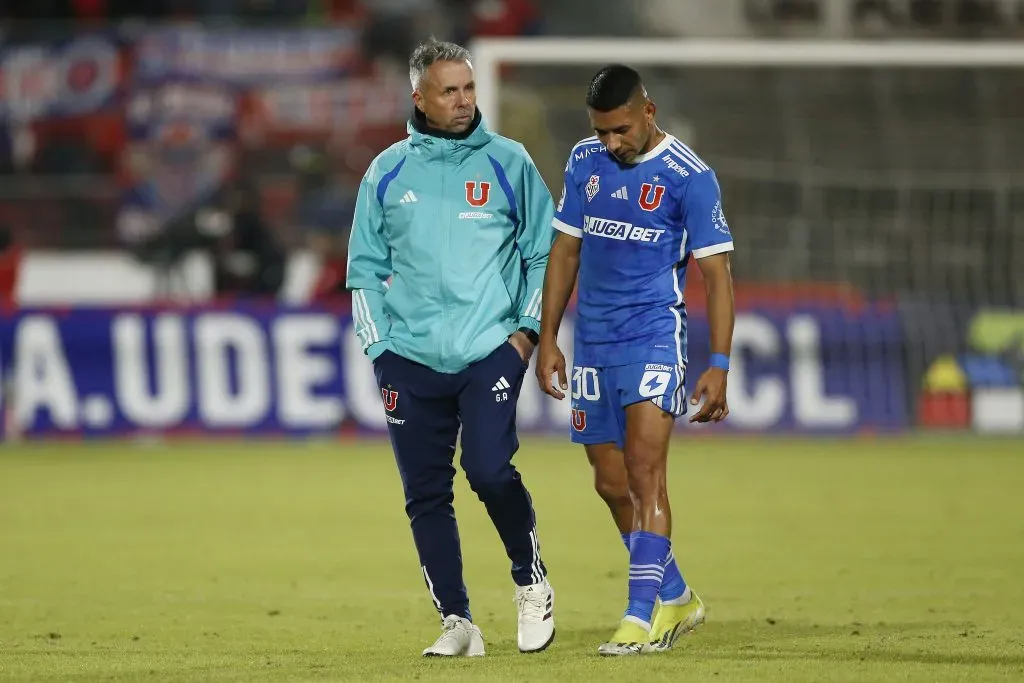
x=536 y=606
x=459 y=638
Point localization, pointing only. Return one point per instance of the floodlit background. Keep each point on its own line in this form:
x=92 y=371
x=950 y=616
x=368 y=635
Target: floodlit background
x=194 y=476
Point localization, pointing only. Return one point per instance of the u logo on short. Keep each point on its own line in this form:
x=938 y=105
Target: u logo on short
x=579 y=419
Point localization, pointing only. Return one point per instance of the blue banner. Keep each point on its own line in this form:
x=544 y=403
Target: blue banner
x=247 y=56
x=269 y=370
x=59 y=79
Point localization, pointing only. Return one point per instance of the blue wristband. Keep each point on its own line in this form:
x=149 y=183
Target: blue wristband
x=720 y=360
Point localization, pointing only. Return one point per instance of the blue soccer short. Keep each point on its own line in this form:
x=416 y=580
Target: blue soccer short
x=600 y=397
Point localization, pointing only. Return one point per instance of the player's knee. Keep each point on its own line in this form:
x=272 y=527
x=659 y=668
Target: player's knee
x=613 y=490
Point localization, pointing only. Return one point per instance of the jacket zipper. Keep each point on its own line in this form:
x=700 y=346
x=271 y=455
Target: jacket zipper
x=443 y=224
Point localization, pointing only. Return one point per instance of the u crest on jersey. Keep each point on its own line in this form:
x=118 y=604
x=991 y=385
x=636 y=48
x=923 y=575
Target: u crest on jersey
x=390 y=399
x=650 y=196
x=477 y=194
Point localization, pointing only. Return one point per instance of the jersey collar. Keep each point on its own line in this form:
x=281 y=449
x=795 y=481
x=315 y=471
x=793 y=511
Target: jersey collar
x=655 y=152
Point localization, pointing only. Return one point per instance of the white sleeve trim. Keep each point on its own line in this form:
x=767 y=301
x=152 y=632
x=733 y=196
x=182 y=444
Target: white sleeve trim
x=712 y=250
x=568 y=229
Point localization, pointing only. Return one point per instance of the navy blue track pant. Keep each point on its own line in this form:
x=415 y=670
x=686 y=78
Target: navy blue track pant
x=425 y=410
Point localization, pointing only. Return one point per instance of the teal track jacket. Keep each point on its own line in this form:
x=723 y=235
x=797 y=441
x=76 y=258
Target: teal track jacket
x=449 y=246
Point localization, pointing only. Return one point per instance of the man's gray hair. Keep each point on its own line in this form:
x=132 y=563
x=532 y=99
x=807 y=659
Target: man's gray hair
x=431 y=51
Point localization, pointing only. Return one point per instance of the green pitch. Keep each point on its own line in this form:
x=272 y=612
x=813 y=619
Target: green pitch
x=818 y=560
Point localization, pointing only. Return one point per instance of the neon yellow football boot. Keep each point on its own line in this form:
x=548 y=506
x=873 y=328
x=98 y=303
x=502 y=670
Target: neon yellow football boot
x=673 y=621
x=630 y=639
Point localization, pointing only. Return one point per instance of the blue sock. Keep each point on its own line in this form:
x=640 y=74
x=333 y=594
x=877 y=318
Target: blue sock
x=647 y=556
x=672 y=584
x=673 y=587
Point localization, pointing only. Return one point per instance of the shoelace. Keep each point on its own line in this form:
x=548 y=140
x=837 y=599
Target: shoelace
x=531 y=605
x=448 y=628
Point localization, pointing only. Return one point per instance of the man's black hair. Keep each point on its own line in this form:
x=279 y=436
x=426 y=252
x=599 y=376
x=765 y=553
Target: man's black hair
x=612 y=87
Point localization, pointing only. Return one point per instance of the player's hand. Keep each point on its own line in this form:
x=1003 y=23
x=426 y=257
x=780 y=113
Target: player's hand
x=522 y=344
x=711 y=387
x=550 y=361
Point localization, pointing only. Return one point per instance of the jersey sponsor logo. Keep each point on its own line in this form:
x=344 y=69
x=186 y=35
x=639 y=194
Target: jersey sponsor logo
x=618 y=230
x=650 y=196
x=718 y=218
x=477 y=194
x=593 y=185
x=474 y=215
x=579 y=419
x=654 y=383
x=658 y=366
x=586 y=152
x=390 y=399
x=675 y=166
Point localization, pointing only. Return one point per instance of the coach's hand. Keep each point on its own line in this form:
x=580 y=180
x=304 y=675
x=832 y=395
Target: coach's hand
x=711 y=386
x=550 y=361
x=521 y=343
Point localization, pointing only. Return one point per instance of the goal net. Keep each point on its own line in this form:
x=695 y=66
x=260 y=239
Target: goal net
x=876 y=195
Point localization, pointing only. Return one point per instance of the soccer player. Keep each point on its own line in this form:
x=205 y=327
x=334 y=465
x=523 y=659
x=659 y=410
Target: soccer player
x=446 y=262
x=636 y=204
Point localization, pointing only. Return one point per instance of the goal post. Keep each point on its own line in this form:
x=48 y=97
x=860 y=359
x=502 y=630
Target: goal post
x=490 y=53
x=876 y=191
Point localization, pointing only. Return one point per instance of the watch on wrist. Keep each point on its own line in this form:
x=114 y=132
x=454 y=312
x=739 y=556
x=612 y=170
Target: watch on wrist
x=530 y=334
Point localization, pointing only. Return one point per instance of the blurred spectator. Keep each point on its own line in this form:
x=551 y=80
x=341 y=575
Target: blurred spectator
x=324 y=211
x=101 y=10
x=7 y=162
x=64 y=10
x=322 y=11
x=977 y=14
x=247 y=258
x=874 y=15
x=10 y=259
x=35 y=9
x=783 y=10
x=61 y=156
x=86 y=10
x=472 y=18
x=394 y=26
x=271 y=10
x=926 y=13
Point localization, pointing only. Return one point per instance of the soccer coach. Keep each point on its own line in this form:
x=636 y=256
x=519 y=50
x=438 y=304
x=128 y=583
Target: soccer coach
x=446 y=265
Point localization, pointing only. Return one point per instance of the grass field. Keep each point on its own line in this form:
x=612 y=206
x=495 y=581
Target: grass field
x=889 y=560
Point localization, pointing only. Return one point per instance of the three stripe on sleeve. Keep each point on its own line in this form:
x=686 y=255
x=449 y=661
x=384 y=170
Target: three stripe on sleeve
x=533 y=308
x=366 y=329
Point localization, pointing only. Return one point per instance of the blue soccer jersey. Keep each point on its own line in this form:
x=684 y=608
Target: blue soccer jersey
x=639 y=223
